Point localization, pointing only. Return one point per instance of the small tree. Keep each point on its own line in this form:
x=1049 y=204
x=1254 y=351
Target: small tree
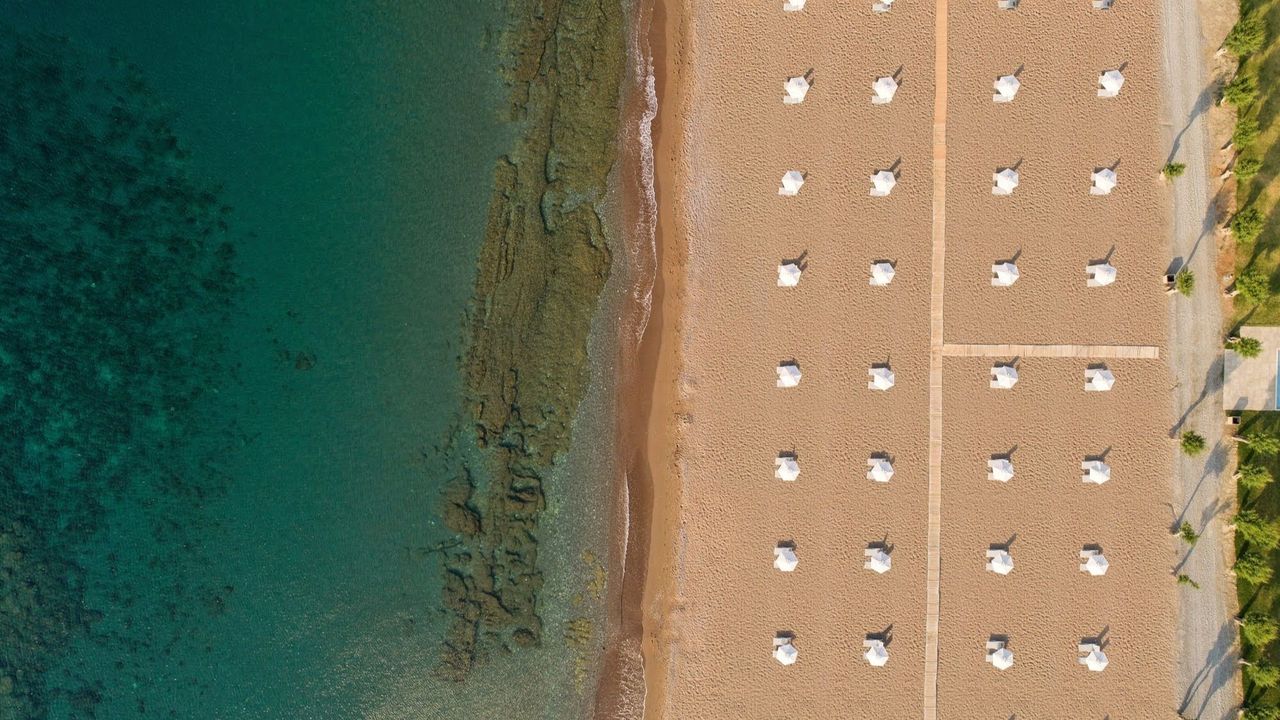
x=1174 y=169
x=1247 y=168
x=1188 y=533
x=1255 y=286
x=1253 y=477
x=1265 y=444
x=1258 y=629
x=1247 y=36
x=1186 y=580
x=1245 y=133
x=1192 y=443
x=1246 y=347
x=1263 y=674
x=1247 y=224
x=1253 y=568
x=1257 y=530
x=1260 y=712
x=1240 y=92
x=1186 y=282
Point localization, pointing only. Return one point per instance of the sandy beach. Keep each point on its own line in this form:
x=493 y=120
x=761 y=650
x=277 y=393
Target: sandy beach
x=713 y=600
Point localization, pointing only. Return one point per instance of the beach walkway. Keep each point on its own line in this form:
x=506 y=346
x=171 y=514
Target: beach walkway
x=933 y=568
x=1118 y=352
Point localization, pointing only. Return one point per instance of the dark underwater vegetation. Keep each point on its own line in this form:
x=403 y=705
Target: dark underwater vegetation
x=116 y=288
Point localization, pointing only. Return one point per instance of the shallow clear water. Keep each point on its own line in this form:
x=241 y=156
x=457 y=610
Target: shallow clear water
x=354 y=143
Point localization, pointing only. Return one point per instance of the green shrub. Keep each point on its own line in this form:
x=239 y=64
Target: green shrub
x=1263 y=674
x=1186 y=282
x=1253 y=477
x=1174 y=169
x=1188 y=533
x=1254 y=286
x=1247 y=168
x=1192 y=444
x=1265 y=444
x=1256 y=529
x=1245 y=133
x=1247 y=224
x=1186 y=580
x=1246 y=347
x=1247 y=36
x=1241 y=91
x=1254 y=568
x=1260 y=712
x=1258 y=629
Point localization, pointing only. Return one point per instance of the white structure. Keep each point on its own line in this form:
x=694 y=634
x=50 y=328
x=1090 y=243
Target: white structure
x=1004 y=274
x=877 y=654
x=788 y=375
x=1004 y=182
x=878 y=561
x=882 y=274
x=1104 y=181
x=999 y=562
x=1094 y=658
x=881 y=378
x=882 y=183
x=1109 y=83
x=881 y=6
x=1095 y=471
x=783 y=651
x=1007 y=4
x=1006 y=89
x=1000 y=657
x=788 y=275
x=797 y=88
x=1098 y=380
x=784 y=558
x=1000 y=469
x=879 y=470
x=793 y=5
x=1095 y=563
x=791 y=183
x=1099 y=274
x=1103 y=4
x=884 y=88
x=788 y=468
x=1004 y=377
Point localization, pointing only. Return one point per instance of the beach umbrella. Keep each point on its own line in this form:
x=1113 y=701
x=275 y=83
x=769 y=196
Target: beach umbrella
x=879 y=562
x=788 y=468
x=793 y=5
x=791 y=182
x=882 y=183
x=1109 y=83
x=1098 y=380
x=1006 y=88
x=1001 y=562
x=788 y=375
x=881 y=378
x=884 y=88
x=788 y=275
x=797 y=88
x=784 y=652
x=1104 y=181
x=877 y=654
x=1096 y=565
x=1003 y=182
x=882 y=274
x=880 y=470
x=1002 y=659
x=1004 y=274
x=1096 y=660
x=1100 y=274
x=784 y=558
x=1000 y=469
x=1095 y=471
x=1004 y=377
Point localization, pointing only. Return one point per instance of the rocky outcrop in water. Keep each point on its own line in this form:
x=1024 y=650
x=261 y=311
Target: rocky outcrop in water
x=542 y=267
x=115 y=290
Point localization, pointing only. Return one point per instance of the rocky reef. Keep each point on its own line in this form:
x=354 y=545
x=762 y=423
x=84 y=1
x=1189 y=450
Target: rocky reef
x=116 y=285
x=542 y=266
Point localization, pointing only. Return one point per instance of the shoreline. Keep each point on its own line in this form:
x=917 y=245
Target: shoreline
x=632 y=679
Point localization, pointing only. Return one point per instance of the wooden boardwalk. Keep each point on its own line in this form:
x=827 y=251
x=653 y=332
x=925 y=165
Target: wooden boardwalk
x=936 y=287
x=1125 y=352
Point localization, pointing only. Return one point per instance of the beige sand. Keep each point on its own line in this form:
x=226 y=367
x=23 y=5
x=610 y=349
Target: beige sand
x=710 y=651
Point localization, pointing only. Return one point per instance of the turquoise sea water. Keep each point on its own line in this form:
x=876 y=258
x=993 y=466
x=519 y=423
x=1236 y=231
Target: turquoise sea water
x=284 y=568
